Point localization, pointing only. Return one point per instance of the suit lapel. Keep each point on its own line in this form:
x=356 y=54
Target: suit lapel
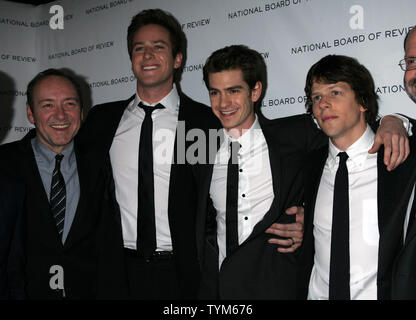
x=204 y=177
x=314 y=172
x=37 y=199
x=411 y=164
x=114 y=121
x=275 y=166
x=81 y=214
x=385 y=206
x=411 y=233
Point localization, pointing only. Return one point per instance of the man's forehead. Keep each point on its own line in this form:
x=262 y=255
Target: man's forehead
x=327 y=84
x=55 y=82
x=411 y=40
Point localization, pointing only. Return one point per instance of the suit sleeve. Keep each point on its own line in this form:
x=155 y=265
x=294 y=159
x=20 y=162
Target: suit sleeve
x=315 y=137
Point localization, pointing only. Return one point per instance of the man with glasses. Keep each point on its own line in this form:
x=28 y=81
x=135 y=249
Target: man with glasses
x=404 y=274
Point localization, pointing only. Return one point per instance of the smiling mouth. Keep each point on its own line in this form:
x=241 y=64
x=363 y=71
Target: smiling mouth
x=149 y=68
x=60 y=126
x=227 y=113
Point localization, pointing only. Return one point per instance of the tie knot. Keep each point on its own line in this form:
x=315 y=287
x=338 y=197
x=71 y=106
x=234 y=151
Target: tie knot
x=58 y=159
x=234 y=147
x=148 y=109
x=343 y=156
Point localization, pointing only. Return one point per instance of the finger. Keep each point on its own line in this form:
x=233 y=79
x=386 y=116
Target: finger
x=288 y=250
x=407 y=148
x=402 y=151
x=395 y=146
x=272 y=227
x=387 y=152
x=289 y=234
x=283 y=242
x=285 y=229
x=292 y=210
x=300 y=217
x=296 y=226
x=277 y=227
x=290 y=241
x=376 y=145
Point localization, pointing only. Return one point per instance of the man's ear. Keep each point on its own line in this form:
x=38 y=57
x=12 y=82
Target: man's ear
x=177 y=62
x=256 y=91
x=29 y=113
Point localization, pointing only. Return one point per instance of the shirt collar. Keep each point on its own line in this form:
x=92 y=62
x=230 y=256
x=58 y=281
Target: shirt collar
x=357 y=152
x=248 y=138
x=170 y=101
x=49 y=155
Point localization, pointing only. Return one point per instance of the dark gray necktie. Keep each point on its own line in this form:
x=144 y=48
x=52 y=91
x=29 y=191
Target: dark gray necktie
x=339 y=273
x=58 y=195
x=231 y=214
x=146 y=229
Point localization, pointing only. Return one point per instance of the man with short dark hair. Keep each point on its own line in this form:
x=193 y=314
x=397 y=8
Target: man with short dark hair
x=65 y=199
x=256 y=176
x=155 y=195
x=354 y=207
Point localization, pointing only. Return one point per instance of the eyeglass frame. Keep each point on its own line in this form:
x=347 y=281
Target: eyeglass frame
x=403 y=64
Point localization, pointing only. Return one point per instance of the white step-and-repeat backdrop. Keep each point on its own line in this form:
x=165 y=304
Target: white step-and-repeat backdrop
x=290 y=34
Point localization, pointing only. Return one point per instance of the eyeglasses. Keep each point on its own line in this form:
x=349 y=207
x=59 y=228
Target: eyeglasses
x=408 y=63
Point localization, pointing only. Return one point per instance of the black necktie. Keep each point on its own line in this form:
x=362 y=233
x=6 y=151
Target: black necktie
x=339 y=274
x=231 y=213
x=146 y=230
x=58 y=195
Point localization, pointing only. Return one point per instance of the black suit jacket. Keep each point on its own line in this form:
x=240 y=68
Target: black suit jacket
x=80 y=255
x=256 y=270
x=97 y=136
x=12 y=193
x=404 y=271
x=393 y=192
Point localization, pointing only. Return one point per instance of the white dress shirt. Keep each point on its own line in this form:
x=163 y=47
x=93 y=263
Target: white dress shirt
x=124 y=155
x=255 y=185
x=364 y=233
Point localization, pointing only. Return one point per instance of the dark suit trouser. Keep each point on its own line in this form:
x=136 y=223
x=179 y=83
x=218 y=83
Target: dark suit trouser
x=151 y=280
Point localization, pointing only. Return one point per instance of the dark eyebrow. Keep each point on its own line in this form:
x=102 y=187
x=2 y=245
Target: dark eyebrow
x=153 y=42
x=234 y=87
x=228 y=88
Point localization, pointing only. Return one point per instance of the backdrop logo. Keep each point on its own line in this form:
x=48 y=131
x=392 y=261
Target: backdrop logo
x=357 y=20
x=57 y=20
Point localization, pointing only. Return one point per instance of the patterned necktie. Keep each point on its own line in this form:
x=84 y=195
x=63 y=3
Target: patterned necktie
x=58 y=195
x=146 y=229
x=231 y=213
x=339 y=273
